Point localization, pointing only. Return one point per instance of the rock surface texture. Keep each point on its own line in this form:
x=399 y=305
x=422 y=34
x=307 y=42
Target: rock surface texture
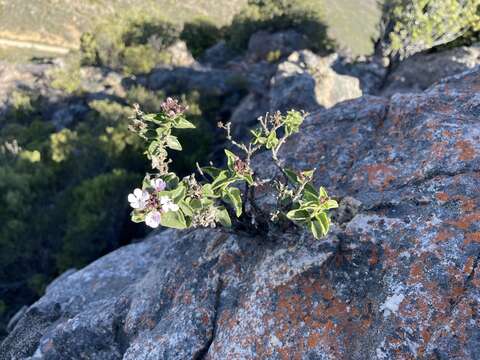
x=422 y=70
x=397 y=278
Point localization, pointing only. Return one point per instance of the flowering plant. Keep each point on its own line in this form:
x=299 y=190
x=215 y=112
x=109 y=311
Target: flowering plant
x=225 y=193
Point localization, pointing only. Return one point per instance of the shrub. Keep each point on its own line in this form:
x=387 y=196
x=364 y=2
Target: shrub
x=133 y=43
x=225 y=194
x=274 y=15
x=68 y=78
x=408 y=27
x=199 y=35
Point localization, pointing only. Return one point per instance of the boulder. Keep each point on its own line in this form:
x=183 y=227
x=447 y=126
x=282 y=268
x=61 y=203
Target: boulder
x=271 y=47
x=305 y=81
x=398 y=277
x=420 y=71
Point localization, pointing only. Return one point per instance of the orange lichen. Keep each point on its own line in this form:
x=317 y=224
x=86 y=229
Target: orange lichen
x=467 y=151
x=442 y=196
x=471 y=238
x=380 y=175
x=466 y=221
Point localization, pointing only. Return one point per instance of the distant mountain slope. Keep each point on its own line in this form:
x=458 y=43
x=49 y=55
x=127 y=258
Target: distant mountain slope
x=61 y=22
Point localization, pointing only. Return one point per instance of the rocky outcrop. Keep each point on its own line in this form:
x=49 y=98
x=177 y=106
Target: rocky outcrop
x=311 y=76
x=268 y=46
x=420 y=71
x=397 y=278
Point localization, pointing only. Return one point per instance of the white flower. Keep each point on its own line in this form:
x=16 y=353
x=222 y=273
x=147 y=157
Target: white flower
x=153 y=219
x=168 y=204
x=158 y=184
x=138 y=200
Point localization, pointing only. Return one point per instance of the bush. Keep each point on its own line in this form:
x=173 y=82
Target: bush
x=274 y=15
x=409 y=27
x=199 y=35
x=132 y=43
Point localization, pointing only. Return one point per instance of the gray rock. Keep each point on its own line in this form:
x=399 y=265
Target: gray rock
x=274 y=46
x=306 y=81
x=422 y=70
x=400 y=280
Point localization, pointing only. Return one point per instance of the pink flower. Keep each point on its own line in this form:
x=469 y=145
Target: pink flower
x=158 y=184
x=153 y=219
x=138 y=199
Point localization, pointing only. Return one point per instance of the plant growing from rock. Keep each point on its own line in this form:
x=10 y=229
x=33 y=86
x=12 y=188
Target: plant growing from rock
x=226 y=196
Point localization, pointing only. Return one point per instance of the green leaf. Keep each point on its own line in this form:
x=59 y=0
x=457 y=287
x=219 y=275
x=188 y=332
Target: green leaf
x=272 y=140
x=176 y=194
x=231 y=157
x=173 y=219
x=186 y=209
x=182 y=123
x=309 y=197
x=292 y=176
x=298 y=215
x=323 y=192
x=316 y=228
x=173 y=143
x=330 y=204
x=234 y=197
x=171 y=179
x=212 y=171
x=152 y=148
x=310 y=189
x=196 y=204
x=325 y=221
x=137 y=217
x=223 y=180
x=223 y=218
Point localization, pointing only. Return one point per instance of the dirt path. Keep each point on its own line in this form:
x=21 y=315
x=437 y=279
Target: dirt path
x=34 y=46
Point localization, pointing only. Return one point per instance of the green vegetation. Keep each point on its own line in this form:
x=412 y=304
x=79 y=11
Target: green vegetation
x=64 y=192
x=275 y=15
x=131 y=44
x=409 y=27
x=225 y=194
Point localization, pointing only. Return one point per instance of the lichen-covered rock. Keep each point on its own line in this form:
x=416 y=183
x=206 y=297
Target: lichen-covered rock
x=399 y=280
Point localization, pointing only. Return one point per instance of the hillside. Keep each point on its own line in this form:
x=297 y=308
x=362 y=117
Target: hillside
x=61 y=22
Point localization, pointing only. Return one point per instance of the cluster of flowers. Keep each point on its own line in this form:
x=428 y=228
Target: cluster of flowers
x=151 y=203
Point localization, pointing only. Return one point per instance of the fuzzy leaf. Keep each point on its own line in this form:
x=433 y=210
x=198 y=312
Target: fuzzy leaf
x=231 y=157
x=173 y=143
x=234 y=197
x=223 y=218
x=182 y=123
x=173 y=219
x=298 y=215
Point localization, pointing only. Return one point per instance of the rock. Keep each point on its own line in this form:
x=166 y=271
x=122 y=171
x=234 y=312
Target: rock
x=422 y=70
x=306 y=81
x=245 y=115
x=180 y=55
x=400 y=280
x=218 y=55
x=274 y=46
